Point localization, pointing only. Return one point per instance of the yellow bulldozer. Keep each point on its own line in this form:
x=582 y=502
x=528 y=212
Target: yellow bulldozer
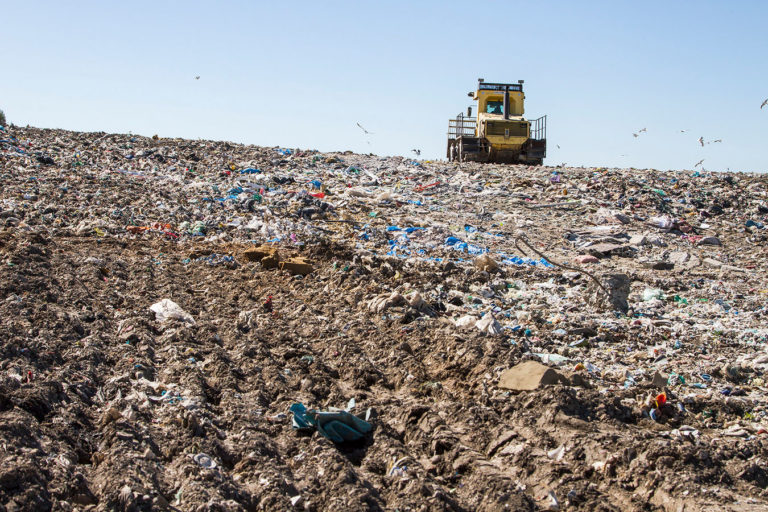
x=499 y=133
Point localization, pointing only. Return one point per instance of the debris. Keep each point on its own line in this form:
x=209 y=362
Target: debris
x=205 y=461
x=297 y=265
x=431 y=283
x=486 y=263
x=586 y=258
x=618 y=292
x=336 y=424
x=166 y=310
x=530 y=375
x=489 y=325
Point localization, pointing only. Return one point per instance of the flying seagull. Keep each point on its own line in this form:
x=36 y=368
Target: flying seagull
x=698 y=163
x=701 y=141
x=417 y=151
x=636 y=135
x=366 y=131
x=197 y=77
x=763 y=104
x=558 y=146
x=683 y=131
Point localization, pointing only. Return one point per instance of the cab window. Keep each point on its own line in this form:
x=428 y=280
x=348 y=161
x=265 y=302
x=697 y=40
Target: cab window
x=494 y=107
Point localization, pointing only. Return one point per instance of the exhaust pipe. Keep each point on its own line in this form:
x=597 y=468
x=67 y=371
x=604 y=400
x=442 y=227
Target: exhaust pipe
x=506 y=103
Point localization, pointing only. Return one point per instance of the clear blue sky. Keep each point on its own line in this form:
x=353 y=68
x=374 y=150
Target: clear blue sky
x=302 y=74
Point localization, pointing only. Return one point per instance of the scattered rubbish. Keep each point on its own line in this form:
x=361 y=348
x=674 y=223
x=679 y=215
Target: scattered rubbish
x=167 y=300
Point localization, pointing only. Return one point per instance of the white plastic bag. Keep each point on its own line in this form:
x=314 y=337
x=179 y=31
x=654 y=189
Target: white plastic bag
x=167 y=309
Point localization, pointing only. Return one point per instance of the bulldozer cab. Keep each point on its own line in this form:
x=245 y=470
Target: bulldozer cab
x=500 y=99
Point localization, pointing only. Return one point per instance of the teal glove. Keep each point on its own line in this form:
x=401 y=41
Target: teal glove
x=336 y=424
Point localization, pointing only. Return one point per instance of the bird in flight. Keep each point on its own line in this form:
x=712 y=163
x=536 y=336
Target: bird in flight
x=417 y=151
x=636 y=135
x=558 y=146
x=683 y=131
x=764 y=103
x=197 y=77
x=366 y=131
x=701 y=141
x=698 y=163
x=716 y=140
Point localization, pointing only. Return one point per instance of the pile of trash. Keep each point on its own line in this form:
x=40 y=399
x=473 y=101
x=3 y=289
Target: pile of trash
x=182 y=321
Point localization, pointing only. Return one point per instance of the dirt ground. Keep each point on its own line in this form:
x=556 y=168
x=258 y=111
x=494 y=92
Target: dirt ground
x=103 y=407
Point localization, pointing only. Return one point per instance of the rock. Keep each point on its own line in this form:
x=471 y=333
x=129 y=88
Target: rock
x=270 y=261
x=638 y=240
x=713 y=262
x=694 y=261
x=585 y=258
x=659 y=265
x=624 y=219
x=297 y=265
x=486 y=263
x=266 y=254
x=709 y=240
x=678 y=257
x=603 y=250
x=617 y=286
x=530 y=375
x=659 y=380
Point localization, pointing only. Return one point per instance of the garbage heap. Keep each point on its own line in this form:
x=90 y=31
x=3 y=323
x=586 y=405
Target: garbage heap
x=203 y=325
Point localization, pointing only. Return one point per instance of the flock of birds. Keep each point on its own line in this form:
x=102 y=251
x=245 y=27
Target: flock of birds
x=701 y=140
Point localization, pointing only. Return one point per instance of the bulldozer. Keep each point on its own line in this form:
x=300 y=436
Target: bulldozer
x=499 y=133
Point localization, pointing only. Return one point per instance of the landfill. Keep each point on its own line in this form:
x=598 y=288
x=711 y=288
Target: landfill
x=204 y=325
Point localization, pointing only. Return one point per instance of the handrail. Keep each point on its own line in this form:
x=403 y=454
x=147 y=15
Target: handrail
x=461 y=126
x=539 y=128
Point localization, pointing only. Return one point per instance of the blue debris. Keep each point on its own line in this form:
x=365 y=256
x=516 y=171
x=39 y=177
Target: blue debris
x=335 y=424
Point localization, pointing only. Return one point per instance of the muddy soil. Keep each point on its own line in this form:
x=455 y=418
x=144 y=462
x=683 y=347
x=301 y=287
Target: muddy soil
x=102 y=407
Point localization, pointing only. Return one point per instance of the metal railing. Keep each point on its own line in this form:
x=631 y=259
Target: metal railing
x=462 y=126
x=539 y=128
